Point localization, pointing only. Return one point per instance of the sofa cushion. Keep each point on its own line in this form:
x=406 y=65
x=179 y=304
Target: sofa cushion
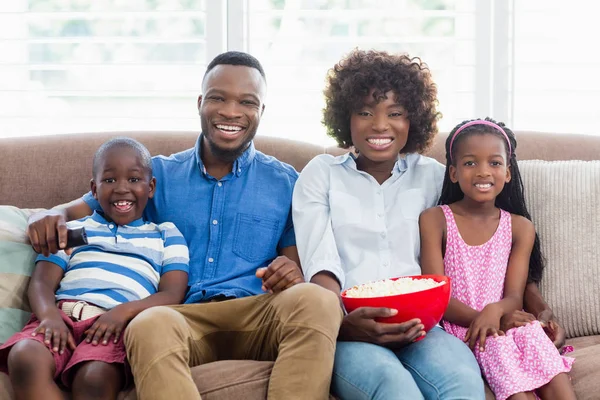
x=562 y=197
x=16 y=266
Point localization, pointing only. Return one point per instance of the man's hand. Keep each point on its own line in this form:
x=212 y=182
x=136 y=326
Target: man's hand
x=56 y=334
x=111 y=323
x=360 y=326
x=487 y=323
x=281 y=274
x=515 y=319
x=555 y=332
x=44 y=229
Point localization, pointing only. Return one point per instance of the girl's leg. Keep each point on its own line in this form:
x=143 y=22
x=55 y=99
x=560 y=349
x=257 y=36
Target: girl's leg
x=31 y=368
x=98 y=380
x=522 y=396
x=559 y=388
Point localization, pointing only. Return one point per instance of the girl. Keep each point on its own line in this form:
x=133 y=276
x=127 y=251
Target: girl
x=482 y=237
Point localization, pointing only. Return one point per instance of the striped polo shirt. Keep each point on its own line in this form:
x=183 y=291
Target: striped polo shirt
x=119 y=263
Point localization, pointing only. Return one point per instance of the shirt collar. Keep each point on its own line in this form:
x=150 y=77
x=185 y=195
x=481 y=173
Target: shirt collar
x=349 y=158
x=239 y=166
x=98 y=216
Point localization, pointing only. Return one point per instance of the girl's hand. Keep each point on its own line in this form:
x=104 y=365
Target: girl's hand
x=515 y=319
x=487 y=323
x=360 y=326
x=55 y=332
x=108 y=324
x=555 y=332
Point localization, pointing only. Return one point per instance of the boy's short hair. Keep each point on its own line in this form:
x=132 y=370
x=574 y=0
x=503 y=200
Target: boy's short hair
x=121 y=142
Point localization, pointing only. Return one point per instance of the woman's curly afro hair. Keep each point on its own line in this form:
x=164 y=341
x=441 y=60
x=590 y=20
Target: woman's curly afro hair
x=357 y=74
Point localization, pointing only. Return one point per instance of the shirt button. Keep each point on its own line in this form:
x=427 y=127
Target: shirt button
x=379 y=192
x=219 y=184
x=383 y=234
x=215 y=222
x=380 y=215
x=385 y=264
x=111 y=226
x=211 y=259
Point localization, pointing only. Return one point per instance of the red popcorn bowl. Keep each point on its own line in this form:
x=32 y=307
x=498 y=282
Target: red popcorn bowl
x=428 y=305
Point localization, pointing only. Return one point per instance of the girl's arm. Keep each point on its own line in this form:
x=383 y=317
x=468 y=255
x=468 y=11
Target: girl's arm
x=488 y=321
x=518 y=265
x=432 y=225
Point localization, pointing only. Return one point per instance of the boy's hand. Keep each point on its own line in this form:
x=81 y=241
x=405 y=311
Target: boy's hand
x=111 y=323
x=360 y=326
x=487 y=323
x=281 y=274
x=56 y=333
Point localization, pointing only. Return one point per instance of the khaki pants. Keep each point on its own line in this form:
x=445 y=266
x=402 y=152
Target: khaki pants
x=296 y=328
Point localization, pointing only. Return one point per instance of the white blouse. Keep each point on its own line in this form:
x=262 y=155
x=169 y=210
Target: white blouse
x=360 y=231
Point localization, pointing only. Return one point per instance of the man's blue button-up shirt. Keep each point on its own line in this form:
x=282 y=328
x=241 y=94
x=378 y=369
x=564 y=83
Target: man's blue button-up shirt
x=232 y=226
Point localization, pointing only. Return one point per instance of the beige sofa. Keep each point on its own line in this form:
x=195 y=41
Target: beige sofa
x=45 y=171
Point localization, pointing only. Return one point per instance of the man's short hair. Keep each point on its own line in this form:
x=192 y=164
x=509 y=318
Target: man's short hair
x=236 y=58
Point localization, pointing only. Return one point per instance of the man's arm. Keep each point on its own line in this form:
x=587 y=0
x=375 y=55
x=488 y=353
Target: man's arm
x=45 y=227
x=283 y=272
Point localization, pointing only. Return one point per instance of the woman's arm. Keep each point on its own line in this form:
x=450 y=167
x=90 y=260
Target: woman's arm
x=315 y=240
x=432 y=225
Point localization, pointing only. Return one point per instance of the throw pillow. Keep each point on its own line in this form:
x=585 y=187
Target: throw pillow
x=16 y=264
x=562 y=197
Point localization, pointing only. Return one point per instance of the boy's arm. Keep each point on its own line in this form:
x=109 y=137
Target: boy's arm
x=171 y=290
x=41 y=293
x=44 y=227
x=432 y=224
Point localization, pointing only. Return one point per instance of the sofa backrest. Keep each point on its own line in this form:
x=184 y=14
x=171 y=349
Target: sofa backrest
x=44 y=171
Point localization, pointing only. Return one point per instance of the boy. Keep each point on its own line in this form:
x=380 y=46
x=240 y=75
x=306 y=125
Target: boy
x=127 y=266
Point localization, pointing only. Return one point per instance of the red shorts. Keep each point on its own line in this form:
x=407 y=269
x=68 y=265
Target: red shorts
x=113 y=353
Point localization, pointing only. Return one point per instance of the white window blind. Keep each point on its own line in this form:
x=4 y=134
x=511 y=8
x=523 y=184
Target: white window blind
x=81 y=66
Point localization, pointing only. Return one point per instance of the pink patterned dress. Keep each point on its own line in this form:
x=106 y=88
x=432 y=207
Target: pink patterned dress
x=525 y=358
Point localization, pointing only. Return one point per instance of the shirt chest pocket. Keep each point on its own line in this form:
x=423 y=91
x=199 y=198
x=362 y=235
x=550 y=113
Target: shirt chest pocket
x=255 y=237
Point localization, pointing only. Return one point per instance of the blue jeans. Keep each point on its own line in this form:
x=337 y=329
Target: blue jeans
x=438 y=367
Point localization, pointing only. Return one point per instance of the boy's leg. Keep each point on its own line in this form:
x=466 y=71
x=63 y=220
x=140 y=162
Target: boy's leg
x=443 y=367
x=297 y=328
x=31 y=369
x=97 y=380
x=366 y=371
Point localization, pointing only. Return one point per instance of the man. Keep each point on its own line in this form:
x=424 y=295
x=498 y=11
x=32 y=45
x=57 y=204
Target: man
x=232 y=204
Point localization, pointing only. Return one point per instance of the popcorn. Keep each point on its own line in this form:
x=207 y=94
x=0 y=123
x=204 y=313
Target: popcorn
x=388 y=287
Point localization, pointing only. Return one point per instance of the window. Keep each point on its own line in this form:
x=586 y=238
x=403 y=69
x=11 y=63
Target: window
x=81 y=66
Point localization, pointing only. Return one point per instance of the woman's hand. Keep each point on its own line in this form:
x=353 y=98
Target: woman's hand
x=360 y=326
x=56 y=334
x=487 y=323
x=555 y=332
x=111 y=323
